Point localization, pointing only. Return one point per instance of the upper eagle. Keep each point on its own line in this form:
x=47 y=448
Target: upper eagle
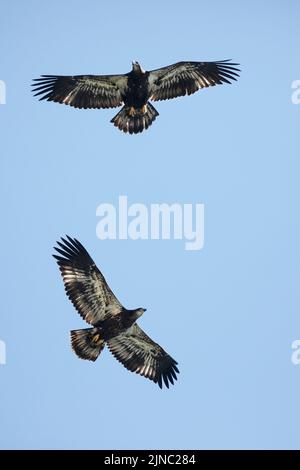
x=134 y=89
x=112 y=324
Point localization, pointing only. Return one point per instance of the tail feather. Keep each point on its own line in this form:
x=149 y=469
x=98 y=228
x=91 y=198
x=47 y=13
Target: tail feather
x=135 y=120
x=87 y=343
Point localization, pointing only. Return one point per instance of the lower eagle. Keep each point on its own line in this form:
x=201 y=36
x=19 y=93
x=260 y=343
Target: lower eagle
x=135 y=89
x=112 y=324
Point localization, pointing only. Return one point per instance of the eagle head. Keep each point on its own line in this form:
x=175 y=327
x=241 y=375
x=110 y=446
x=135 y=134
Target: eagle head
x=140 y=311
x=136 y=67
x=137 y=313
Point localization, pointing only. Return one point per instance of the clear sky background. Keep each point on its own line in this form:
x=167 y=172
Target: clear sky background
x=227 y=313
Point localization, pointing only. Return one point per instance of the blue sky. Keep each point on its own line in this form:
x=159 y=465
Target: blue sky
x=229 y=312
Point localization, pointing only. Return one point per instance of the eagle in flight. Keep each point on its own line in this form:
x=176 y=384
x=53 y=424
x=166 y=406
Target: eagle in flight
x=112 y=324
x=135 y=89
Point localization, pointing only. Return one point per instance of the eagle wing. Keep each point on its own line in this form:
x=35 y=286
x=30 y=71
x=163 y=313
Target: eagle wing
x=188 y=77
x=138 y=353
x=82 y=91
x=85 y=285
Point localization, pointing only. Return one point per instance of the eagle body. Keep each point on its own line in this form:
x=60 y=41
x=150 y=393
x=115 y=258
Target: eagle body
x=111 y=323
x=137 y=93
x=134 y=90
x=116 y=324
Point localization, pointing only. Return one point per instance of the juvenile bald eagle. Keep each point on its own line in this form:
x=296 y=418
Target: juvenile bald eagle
x=134 y=89
x=112 y=324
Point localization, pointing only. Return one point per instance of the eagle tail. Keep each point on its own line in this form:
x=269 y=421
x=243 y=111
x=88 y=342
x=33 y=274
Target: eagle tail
x=87 y=343
x=135 y=120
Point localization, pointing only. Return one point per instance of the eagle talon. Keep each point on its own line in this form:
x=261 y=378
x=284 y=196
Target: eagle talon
x=96 y=338
x=132 y=111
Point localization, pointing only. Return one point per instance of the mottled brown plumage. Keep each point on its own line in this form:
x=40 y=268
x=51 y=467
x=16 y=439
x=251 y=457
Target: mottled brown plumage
x=112 y=323
x=134 y=89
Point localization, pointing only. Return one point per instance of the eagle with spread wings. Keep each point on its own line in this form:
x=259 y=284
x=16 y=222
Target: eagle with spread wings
x=112 y=324
x=135 y=89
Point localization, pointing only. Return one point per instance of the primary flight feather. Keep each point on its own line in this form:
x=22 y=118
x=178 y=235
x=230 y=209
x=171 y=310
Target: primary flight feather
x=135 y=89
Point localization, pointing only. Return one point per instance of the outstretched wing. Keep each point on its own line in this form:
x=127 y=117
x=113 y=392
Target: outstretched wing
x=138 y=353
x=84 y=283
x=188 y=77
x=82 y=91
